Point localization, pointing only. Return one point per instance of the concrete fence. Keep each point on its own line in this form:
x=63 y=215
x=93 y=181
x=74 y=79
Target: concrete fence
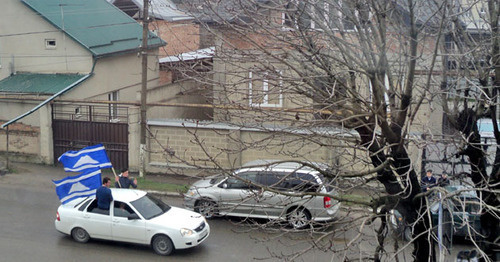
x=209 y=145
x=24 y=143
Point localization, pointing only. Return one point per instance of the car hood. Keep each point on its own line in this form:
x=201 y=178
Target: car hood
x=202 y=183
x=179 y=218
x=208 y=182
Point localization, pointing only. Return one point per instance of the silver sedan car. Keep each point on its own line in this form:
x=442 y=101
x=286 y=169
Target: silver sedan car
x=285 y=191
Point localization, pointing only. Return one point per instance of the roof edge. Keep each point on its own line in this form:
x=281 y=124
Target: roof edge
x=85 y=77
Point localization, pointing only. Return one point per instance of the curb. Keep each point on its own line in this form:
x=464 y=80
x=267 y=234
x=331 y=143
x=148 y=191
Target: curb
x=165 y=193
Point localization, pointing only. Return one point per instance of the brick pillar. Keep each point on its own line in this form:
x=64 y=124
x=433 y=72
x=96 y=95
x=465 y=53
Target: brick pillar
x=46 y=135
x=134 y=139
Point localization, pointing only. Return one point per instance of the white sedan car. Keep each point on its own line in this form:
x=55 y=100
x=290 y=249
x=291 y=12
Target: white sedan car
x=136 y=217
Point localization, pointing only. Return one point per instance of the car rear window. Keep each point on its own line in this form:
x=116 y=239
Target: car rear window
x=84 y=205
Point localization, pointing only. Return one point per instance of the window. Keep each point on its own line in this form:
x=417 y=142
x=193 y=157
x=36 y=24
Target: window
x=464 y=88
x=320 y=14
x=302 y=182
x=338 y=14
x=84 y=205
x=235 y=183
x=121 y=209
x=113 y=108
x=265 y=89
x=149 y=206
x=93 y=209
x=274 y=180
x=50 y=44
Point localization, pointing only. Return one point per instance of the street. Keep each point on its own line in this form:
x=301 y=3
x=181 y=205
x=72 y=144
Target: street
x=29 y=202
x=28 y=208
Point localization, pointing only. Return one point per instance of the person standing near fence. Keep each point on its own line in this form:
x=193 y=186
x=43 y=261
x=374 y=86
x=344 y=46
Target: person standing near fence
x=443 y=180
x=124 y=181
x=428 y=181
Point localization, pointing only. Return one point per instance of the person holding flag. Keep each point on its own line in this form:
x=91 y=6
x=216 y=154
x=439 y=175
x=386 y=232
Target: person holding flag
x=124 y=181
x=89 y=161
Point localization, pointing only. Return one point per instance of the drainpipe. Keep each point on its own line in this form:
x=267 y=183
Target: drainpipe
x=6 y=125
x=7 y=138
x=47 y=100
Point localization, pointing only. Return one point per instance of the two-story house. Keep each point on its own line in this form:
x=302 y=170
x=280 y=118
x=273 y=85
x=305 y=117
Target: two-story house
x=58 y=57
x=184 y=50
x=269 y=59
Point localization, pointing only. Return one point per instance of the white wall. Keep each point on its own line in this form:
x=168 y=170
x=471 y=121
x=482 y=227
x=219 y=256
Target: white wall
x=119 y=73
x=23 y=47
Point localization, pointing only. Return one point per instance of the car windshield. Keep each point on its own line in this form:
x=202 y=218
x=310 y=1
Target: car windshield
x=217 y=179
x=150 y=207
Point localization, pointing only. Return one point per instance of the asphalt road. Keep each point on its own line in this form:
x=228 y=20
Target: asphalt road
x=28 y=205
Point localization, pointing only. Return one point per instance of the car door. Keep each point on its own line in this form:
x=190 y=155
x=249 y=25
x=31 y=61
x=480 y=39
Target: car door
x=237 y=196
x=275 y=204
x=97 y=222
x=272 y=204
x=126 y=230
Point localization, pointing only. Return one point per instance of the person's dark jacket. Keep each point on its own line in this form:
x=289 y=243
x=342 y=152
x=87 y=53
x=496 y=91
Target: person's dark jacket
x=125 y=182
x=443 y=182
x=428 y=182
x=104 y=197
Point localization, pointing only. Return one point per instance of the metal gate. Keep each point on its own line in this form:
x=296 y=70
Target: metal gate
x=77 y=126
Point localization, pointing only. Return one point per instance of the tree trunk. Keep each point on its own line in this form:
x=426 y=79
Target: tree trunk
x=410 y=208
x=485 y=184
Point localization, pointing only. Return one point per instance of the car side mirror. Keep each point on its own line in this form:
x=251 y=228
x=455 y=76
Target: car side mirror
x=223 y=185
x=133 y=216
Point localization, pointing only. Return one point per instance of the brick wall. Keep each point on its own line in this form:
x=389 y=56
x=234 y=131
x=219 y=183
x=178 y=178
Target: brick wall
x=165 y=77
x=24 y=142
x=182 y=36
x=199 y=146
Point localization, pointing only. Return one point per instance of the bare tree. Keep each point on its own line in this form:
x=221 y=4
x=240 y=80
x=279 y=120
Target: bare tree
x=472 y=72
x=360 y=78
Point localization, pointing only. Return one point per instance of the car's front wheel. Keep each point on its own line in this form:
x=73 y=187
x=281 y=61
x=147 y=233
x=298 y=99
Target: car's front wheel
x=299 y=218
x=162 y=245
x=206 y=208
x=80 y=235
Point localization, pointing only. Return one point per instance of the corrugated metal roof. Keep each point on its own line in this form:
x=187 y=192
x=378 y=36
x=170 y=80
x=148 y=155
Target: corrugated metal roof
x=222 y=10
x=46 y=84
x=193 y=55
x=160 y=9
x=96 y=24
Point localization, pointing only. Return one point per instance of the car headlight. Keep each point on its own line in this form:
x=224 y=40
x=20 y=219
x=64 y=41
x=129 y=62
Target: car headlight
x=186 y=232
x=192 y=192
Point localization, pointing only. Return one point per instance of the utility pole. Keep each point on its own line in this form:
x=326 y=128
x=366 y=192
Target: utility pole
x=144 y=87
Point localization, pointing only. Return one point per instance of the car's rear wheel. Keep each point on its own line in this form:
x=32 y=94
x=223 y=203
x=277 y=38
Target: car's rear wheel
x=80 y=235
x=206 y=208
x=299 y=218
x=162 y=245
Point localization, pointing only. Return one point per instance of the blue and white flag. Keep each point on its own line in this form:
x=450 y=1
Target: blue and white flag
x=88 y=158
x=77 y=186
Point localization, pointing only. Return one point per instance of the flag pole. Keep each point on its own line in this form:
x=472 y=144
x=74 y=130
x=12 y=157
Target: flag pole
x=116 y=177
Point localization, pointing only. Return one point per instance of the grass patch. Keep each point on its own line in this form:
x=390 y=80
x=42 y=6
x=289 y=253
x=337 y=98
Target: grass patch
x=145 y=184
x=159 y=186
x=355 y=200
